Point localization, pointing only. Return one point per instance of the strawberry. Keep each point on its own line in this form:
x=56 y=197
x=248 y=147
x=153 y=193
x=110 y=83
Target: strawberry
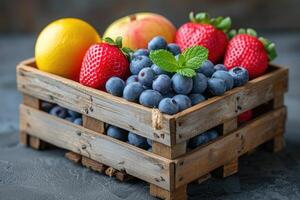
x=207 y=32
x=102 y=61
x=245 y=116
x=250 y=52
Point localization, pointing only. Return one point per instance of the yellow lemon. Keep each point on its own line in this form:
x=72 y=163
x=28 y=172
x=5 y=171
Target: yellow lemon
x=61 y=46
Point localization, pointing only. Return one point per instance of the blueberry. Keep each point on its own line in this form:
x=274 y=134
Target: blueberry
x=183 y=101
x=78 y=121
x=216 y=86
x=225 y=76
x=196 y=98
x=182 y=84
x=162 y=84
x=137 y=140
x=117 y=133
x=141 y=52
x=168 y=106
x=146 y=76
x=115 y=86
x=46 y=106
x=150 y=98
x=138 y=63
x=149 y=141
x=170 y=94
x=220 y=67
x=73 y=114
x=207 y=68
x=132 y=78
x=156 y=43
x=59 y=112
x=240 y=76
x=158 y=70
x=174 y=49
x=133 y=91
x=198 y=140
x=199 y=83
x=212 y=134
x=70 y=119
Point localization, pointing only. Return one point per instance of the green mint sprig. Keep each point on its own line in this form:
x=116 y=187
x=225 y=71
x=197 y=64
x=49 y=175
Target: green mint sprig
x=185 y=64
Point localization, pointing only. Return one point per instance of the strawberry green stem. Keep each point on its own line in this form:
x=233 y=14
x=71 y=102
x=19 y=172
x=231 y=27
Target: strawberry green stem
x=118 y=43
x=269 y=46
x=220 y=23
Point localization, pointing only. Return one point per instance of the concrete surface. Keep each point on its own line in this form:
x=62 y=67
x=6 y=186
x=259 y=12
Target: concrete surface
x=28 y=174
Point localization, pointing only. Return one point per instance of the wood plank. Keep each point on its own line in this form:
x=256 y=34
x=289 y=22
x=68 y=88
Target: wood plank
x=93 y=124
x=120 y=155
x=205 y=159
x=23 y=138
x=167 y=151
x=93 y=165
x=217 y=110
x=36 y=143
x=231 y=167
x=123 y=176
x=75 y=157
x=94 y=103
x=178 y=194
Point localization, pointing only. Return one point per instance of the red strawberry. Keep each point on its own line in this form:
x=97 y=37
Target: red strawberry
x=206 y=32
x=250 y=52
x=245 y=116
x=102 y=61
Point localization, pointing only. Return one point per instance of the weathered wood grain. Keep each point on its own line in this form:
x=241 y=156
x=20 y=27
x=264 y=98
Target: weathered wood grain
x=93 y=124
x=121 y=156
x=227 y=148
x=75 y=157
x=178 y=194
x=217 y=110
x=93 y=165
x=231 y=167
x=92 y=102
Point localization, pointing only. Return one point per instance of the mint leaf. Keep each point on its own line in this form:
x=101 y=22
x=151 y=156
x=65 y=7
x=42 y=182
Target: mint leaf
x=164 y=60
x=186 y=72
x=195 y=56
x=181 y=60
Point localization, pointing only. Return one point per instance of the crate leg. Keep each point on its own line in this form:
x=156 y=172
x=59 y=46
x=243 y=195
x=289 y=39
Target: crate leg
x=177 y=194
x=231 y=167
x=26 y=138
x=75 y=157
x=170 y=153
x=93 y=165
x=278 y=142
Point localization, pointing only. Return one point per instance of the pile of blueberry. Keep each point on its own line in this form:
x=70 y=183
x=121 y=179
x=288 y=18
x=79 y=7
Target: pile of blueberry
x=61 y=112
x=171 y=92
x=129 y=137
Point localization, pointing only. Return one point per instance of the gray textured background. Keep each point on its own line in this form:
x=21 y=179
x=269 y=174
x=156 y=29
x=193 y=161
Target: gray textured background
x=29 y=174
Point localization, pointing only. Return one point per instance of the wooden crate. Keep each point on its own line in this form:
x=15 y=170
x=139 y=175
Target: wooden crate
x=170 y=167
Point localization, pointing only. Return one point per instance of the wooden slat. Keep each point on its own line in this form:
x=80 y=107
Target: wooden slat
x=203 y=160
x=217 y=110
x=167 y=151
x=179 y=194
x=121 y=156
x=231 y=167
x=94 y=103
x=93 y=165
x=23 y=138
x=75 y=157
x=93 y=124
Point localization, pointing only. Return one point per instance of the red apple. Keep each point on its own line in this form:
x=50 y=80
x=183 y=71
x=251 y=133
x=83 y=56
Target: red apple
x=138 y=29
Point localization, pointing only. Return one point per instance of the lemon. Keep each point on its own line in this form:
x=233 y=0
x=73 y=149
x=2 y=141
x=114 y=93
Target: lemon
x=61 y=46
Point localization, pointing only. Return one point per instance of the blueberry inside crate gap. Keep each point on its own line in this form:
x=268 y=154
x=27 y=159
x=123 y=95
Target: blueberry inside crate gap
x=169 y=167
